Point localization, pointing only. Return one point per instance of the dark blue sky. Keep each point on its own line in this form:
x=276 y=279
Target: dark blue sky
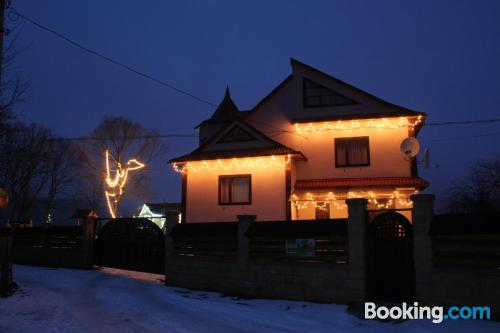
x=440 y=57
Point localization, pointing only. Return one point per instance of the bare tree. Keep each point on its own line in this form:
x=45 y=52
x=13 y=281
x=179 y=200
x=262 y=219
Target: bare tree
x=23 y=162
x=63 y=167
x=14 y=88
x=479 y=191
x=128 y=146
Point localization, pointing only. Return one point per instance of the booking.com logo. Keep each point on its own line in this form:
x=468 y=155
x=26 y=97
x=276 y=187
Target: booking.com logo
x=436 y=313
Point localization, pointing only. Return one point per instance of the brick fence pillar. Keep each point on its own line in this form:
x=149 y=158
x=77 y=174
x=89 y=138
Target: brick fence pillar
x=422 y=215
x=356 y=233
x=88 y=243
x=244 y=222
x=171 y=220
x=5 y=261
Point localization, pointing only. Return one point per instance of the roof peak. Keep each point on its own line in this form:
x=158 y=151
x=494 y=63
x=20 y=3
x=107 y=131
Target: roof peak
x=226 y=109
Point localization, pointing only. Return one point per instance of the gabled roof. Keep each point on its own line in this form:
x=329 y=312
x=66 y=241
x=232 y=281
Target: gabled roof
x=162 y=207
x=236 y=153
x=272 y=147
x=390 y=109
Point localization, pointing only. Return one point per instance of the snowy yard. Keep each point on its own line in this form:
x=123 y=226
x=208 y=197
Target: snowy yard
x=65 y=300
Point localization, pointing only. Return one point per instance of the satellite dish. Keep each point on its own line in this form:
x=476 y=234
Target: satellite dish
x=427 y=158
x=410 y=147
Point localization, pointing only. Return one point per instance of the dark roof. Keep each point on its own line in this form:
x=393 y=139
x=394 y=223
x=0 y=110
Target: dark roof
x=393 y=110
x=360 y=182
x=236 y=153
x=162 y=207
x=83 y=213
x=225 y=112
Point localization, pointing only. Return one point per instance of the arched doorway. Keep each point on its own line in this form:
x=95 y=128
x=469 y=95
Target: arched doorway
x=391 y=273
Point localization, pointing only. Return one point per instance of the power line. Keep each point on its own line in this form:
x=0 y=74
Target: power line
x=464 y=122
x=113 y=61
x=463 y=137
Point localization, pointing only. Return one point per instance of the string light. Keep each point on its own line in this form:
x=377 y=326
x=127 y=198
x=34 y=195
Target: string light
x=117 y=183
x=323 y=202
x=353 y=125
x=233 y=164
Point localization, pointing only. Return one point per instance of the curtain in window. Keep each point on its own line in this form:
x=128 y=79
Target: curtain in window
x=358 y=152
x=341 y=152
x=240 y=189
x=224 y=190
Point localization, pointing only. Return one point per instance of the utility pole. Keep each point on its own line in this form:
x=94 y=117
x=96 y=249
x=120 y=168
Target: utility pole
x=2 y=34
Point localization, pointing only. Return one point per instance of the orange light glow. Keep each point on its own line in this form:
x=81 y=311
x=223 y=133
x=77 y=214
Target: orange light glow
x=353 y=125
x=322 y=201
x=234 y=164
x=117 y=183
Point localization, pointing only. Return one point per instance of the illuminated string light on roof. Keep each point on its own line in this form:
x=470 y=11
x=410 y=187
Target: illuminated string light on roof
x=234 y=164
x=353 y=125
x=323 y=201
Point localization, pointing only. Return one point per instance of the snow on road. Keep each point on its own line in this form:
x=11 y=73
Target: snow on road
x=65 y=300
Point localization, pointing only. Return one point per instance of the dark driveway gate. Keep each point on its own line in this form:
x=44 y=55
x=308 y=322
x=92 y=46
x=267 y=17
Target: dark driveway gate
x=130 y=243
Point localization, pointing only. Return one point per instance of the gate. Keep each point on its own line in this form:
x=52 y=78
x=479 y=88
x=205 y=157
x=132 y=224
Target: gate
x=391 y=275
x=130 y=243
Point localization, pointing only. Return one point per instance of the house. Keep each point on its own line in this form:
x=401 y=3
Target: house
x=306 y=147
x=158 y=212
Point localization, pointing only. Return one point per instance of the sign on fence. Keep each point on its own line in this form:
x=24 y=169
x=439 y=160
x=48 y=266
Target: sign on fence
x=301 y=247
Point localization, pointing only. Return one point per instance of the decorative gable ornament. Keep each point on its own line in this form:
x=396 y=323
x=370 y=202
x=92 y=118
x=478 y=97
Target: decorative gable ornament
x=237 y=134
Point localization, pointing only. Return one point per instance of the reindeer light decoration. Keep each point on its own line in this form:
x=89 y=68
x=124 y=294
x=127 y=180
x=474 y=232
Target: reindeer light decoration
x=116 y=183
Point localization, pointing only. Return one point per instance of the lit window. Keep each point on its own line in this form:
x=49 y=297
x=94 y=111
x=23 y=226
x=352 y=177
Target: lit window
x=351 y=152
x=235 y=190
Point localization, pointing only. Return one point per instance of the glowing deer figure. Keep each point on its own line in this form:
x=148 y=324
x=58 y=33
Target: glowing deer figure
x=117 y=183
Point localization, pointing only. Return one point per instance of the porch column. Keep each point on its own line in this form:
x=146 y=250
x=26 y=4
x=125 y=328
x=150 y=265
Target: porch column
x=244 y=222
x=356 y=233
x=422 y=215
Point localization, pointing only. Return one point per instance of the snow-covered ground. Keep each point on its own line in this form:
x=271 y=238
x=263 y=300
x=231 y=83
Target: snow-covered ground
x=65 y=300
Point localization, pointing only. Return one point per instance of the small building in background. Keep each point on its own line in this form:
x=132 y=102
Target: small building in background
x=80 y=215
x=159 y=212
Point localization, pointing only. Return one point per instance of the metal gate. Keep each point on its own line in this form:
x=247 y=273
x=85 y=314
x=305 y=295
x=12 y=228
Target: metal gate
x=130 y=243
x=391 y=275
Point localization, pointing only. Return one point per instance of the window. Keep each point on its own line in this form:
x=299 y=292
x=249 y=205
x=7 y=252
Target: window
x=350 y=152
x=235 y=190
x=316 y=95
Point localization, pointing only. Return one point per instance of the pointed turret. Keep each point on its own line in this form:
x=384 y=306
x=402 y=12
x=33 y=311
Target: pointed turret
x=225 y=112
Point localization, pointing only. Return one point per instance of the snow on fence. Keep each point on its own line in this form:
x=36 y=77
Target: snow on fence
x=52 y=245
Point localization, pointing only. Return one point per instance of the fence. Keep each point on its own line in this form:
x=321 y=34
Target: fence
x=6 y=283
x=55 y=246
x=294 y=259
x=457 y=257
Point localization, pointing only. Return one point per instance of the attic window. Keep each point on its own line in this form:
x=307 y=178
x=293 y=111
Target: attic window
x=315 y=95
x=237 y=134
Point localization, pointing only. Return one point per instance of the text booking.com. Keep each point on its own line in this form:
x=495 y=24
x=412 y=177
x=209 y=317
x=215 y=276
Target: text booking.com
x=436 y=313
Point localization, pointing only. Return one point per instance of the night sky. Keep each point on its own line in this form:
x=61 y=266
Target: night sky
x=440 y=57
